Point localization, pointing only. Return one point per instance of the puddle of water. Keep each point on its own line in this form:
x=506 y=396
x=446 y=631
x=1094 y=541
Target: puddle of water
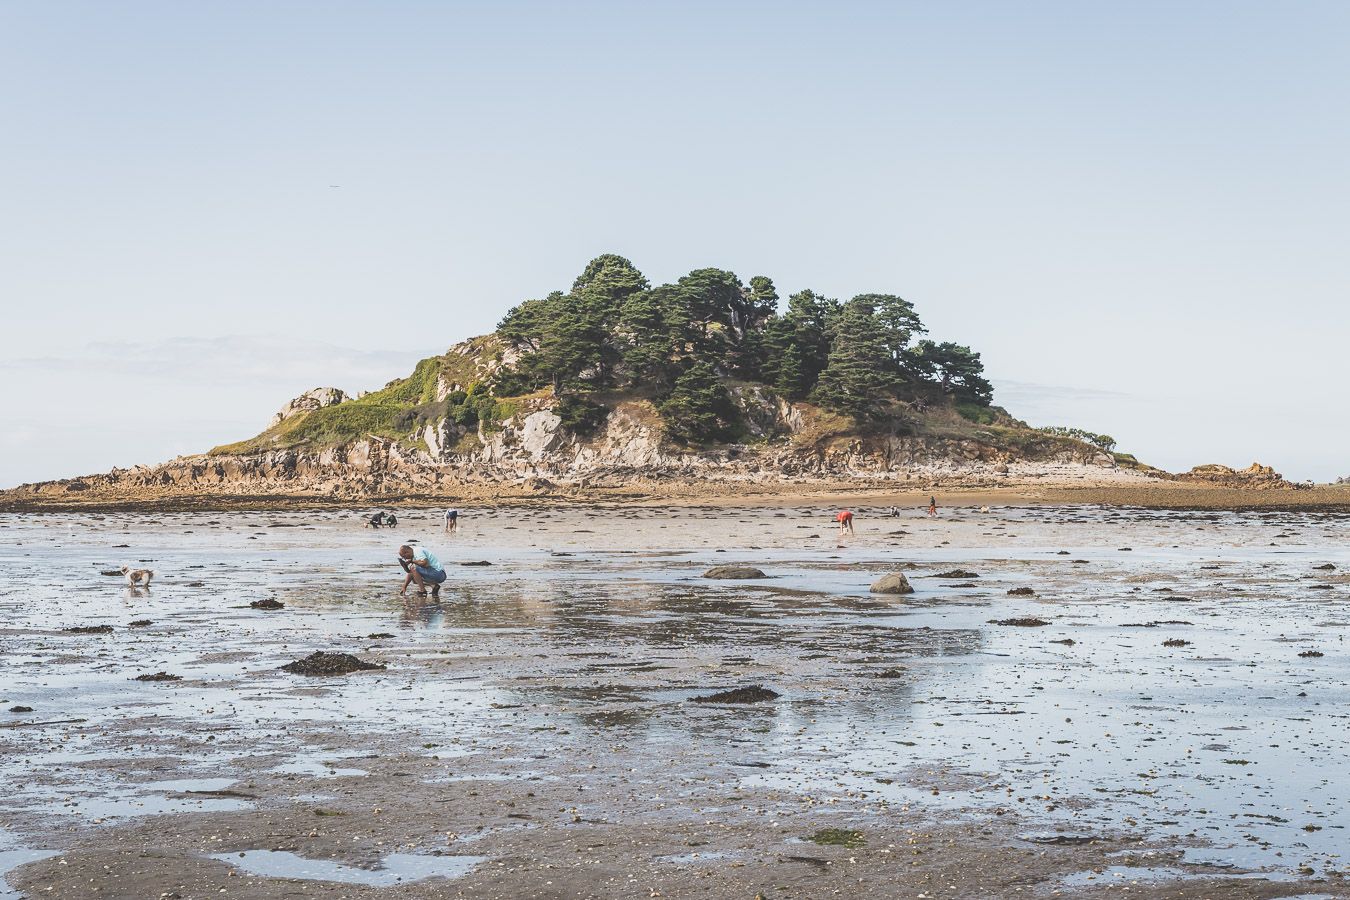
x=104 y=800
x=12 y=859
x=13 y=855
x=1145 y=875
x=396 y=868
x=317 y=769
x=184 y=785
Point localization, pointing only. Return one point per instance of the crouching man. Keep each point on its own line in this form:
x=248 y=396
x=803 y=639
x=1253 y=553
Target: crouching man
x=423 y=568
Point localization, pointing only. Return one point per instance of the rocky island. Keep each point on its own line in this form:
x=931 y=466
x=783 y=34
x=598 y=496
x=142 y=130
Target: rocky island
x=616 y=388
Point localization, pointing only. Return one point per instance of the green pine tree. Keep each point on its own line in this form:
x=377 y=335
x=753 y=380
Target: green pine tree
x=860 y=375
x=792 y=379
x=955 y=368
x=700 y=410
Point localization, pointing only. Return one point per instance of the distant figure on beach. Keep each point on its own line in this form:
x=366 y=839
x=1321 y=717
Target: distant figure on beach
x=375 y=521
x=895 y=512
x=390 y=520
x=451 y=520
x=137 y=577
x=932 y=507
x=845 y=520
x=422 y=567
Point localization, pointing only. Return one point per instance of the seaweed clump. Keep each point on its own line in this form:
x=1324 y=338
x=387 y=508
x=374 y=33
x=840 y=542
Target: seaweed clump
x=321 y=662
x=755 y=693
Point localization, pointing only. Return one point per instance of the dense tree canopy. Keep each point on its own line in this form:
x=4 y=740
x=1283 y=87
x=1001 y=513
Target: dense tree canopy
x=684 y=345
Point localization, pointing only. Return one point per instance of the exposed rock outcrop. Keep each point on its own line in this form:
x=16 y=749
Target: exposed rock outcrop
x=315 y=398
x=1254 y=477
x=437 y=432
x=533 y=453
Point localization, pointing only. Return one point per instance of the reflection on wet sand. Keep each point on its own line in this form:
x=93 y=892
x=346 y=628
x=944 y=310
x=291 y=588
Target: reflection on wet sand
x=568 y=666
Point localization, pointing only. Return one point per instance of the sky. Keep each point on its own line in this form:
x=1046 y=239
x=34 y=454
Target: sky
x=1137 y=212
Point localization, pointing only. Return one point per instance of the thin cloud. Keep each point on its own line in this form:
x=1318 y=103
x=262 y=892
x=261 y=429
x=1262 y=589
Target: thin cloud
x=232 y=359
x=1044 y=393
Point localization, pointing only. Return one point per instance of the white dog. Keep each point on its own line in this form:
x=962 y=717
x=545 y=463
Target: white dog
x=137 y=576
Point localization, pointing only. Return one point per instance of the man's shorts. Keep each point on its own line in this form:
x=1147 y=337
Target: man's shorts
x=435 y=576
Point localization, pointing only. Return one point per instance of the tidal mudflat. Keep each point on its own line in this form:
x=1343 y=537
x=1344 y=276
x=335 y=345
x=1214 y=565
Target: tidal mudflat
x=1163 y=711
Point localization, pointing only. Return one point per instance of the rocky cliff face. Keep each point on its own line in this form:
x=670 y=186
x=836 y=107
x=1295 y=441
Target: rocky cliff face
x=407 y=439
x=533 y=451
x=310 y=400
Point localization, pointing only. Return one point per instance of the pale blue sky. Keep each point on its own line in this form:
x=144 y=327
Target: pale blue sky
x=1136 y=211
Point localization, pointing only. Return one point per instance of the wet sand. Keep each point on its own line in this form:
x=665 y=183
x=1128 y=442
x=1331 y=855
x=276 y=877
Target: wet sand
x=1075 y=486
x=533 y=735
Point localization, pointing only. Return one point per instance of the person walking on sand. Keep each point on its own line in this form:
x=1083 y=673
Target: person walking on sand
x=932 y=507
x=845 y=520
x=423 y=568
x=451 y=520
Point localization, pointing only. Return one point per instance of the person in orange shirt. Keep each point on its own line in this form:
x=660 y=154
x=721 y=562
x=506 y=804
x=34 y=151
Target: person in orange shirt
x=845 y=520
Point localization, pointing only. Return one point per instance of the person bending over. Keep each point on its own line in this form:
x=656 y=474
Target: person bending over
x=423 y=568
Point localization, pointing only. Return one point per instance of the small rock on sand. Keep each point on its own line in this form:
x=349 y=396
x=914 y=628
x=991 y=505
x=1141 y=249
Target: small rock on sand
x=89 y=629
x=139 y=623
x=1058 y=839
x=1312 y=654
x=894 y=583
x=323 y=663
x=1021 y=592
x=1024 y=621
x=159 y=676
x=957 y=573
x=734 y=572
x=1175 y=642
x=268 y=603
x=21 y=709
x=476 y=562
x=755 y=693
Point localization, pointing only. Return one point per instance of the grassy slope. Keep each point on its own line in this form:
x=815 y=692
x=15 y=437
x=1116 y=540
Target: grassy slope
x=392 y=412
x=387 y=412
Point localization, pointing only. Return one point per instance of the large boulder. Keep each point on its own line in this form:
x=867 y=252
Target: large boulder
x=894 y=583
x=734 y=572
x=316 y=398
x=539 y=433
